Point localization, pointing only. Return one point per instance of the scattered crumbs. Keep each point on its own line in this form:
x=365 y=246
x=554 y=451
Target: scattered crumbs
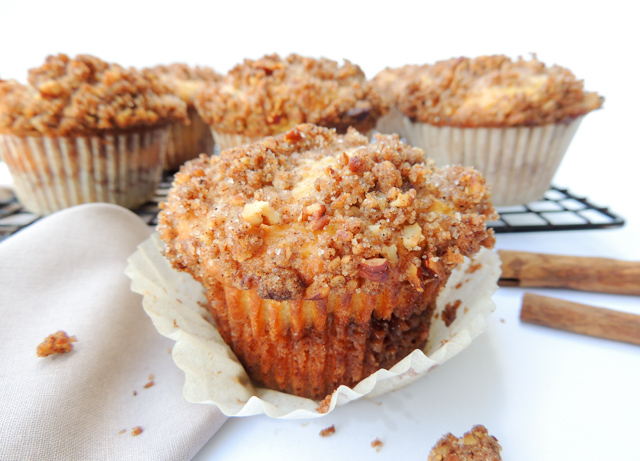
x=123 y=431
x=443 y=342
x=502 y=320
x=175 y=323
x=135 y=393
x=179 y=301
x=377 y=444
x=378 y=403
x=328 y=431
x=466 y=310
x=436 y=315
x=150 y=383
x=304 y=424
x=136 y=431
x=458 y=285
x=169 y=351
x=57 y=343
x=450 y=311
x=324 y=404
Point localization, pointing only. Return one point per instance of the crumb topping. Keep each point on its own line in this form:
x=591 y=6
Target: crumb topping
x=271 y=95
x=79 y=96
x=328 y=431
x=57 y=343
x=488 y=91
x=186 y=81
x=310 y=211
x=476 y=444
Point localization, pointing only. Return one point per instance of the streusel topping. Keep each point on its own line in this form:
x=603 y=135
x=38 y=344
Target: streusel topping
x=83 y=95
x=271 y=95
x=489 y=91
x=475 y=445
x=186 y=81
x=309 y=211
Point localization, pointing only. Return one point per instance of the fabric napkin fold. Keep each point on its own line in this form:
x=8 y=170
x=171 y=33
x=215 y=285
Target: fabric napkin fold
x=66 y=272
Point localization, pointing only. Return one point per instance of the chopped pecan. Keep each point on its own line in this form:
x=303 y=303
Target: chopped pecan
x=376 y=269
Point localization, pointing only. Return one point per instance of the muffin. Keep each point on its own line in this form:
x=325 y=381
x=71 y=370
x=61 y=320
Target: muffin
x=512 y=120
x=322 y=255
x=187 y=141
x=85 y=130
x=272 y=95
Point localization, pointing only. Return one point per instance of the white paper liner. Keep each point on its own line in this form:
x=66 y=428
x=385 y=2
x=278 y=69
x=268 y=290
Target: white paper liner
x=518 y=163
x=176 y=304
x=229 y=140
x=52 y=173
x=186 y=142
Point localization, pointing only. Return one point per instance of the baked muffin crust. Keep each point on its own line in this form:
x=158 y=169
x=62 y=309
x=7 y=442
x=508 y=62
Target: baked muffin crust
x=271 y=95
x=488 y=91
x=309 y=211
x=83 y=95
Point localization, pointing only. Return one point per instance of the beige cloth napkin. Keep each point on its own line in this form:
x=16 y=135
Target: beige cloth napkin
x=66 y=272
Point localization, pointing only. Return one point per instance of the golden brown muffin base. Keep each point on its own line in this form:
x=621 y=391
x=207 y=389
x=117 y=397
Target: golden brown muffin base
x=309 y=348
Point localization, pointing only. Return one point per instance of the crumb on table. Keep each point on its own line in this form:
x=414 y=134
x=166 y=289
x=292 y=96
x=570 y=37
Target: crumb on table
x=377 y=444
x=57 y=343
x=328 y=431
x=150 y=383
x=476 y=444
x=136 y=431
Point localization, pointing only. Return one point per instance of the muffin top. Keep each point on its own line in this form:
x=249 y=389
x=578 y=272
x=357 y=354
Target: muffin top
x=84 y=95
x=488 y=91
x=310 y=211
x=271 y=95
x=186 y=81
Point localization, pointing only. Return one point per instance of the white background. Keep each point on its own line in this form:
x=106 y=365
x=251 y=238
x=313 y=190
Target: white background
x=545 y=394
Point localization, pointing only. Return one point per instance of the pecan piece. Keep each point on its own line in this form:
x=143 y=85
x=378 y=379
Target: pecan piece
x=376 y=269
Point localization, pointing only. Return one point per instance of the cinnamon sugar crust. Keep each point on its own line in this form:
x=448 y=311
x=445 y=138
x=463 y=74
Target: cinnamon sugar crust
x=310 y=212
x=488 y=91
x=476 y=444
x=186 y=81
x=271 y=95
x=83 y=95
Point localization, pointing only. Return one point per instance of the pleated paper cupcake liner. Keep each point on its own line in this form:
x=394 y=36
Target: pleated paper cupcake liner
x=177 y=305
x=186 y=142
x=518 y=163
x=308 y=348
x=229 y=140
x=52 y=173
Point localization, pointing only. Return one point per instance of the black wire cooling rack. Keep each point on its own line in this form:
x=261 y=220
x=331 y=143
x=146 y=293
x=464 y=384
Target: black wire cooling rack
x=558 y=210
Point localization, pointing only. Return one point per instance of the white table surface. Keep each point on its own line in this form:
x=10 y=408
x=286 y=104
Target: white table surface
x=544 y=394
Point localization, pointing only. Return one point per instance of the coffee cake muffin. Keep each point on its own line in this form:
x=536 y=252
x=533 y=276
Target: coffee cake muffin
x=512 y=120
x=322 y=255
x=187 y=141
x=84 y=130
x=271 y=95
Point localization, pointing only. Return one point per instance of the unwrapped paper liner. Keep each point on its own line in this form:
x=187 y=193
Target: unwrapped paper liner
x=178 y=308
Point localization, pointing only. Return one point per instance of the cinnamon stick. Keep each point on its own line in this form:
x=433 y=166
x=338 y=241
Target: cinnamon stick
x=602 y=275
x=580 y=318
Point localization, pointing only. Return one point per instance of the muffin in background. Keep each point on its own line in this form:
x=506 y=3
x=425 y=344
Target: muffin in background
x=322 y=255
x=512 y=120
x=187 y=140
x=85 y=130
x=271 y=95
